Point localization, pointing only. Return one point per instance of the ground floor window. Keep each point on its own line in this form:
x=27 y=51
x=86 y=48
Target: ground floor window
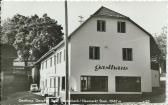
x=46 y=83
x=63 y=83
x=52 y=82
x=94 y=83
x=128 y=84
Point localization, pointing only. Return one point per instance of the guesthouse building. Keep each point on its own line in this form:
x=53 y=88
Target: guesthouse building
x=108 y=54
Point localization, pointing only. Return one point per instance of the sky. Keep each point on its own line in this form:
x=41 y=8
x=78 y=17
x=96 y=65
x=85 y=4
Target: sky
x=151 y=15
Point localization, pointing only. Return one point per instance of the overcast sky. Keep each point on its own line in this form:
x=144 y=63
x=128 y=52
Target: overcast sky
x=152 y=16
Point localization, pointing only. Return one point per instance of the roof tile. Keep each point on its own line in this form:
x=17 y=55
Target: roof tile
x=103 y=11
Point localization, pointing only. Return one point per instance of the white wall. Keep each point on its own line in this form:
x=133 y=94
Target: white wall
x=111 y=44
x=54 y=71
x=155 y=78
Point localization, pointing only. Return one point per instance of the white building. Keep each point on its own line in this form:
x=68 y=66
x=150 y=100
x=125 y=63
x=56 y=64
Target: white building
x=108 y=54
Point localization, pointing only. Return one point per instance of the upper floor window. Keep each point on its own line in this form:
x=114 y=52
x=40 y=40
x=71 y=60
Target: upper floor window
x=57 y=58
x=101 y=25
x=94 y=52
x=54 y=59
x=51 y=61
x=60 y=56
x=64 y=54
x=121 y=27
x=46 y=63
x=42 y=64
x=127 y=54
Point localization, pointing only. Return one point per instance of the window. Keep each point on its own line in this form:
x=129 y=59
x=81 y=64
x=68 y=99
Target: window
x=57 y=58
x=94 y=83
x=42 y=66
x=128 y=84
x=60 y=56
x=46 y=83
x=46 y=63
x=64 y=55
x=54 y=59
x=127 y=54
x=52 y=80
x=121 y=27
x=101 y=25
x=63 y=83
x=51 y=62
x=94 y=52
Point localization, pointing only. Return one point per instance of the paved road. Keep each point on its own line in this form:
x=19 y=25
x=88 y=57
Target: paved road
x=23 y=98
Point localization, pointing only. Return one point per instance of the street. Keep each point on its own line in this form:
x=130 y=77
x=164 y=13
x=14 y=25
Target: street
x=22 y=98
x=29 y=98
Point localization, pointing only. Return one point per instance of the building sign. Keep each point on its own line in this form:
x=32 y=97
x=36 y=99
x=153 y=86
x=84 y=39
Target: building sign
x=110 y=67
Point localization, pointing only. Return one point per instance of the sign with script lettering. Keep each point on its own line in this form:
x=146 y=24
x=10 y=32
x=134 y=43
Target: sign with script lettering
x=110 y=67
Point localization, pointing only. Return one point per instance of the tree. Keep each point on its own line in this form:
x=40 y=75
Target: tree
x=161 y=40
x=31 y=36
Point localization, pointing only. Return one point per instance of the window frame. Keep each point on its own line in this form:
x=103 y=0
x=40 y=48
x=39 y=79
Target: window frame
x=42 y=65
x=127 y=56
x=46 y=64
x=60 y=54
x=101 y=26
x=46 y=83
x=128 y=83
x=93 y=79
x=57 y=58
x=63 y=83
x=50 y=61
x=121 y=27
x=64 y=54
x=94 y=52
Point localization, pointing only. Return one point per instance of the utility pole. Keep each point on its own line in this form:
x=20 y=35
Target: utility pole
x=67 y=99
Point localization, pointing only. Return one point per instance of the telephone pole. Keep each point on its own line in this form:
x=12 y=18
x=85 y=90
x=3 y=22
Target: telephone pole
x=67 y=99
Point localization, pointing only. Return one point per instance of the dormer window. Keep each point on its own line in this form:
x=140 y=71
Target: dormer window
x=121 y=27
x=101 y=25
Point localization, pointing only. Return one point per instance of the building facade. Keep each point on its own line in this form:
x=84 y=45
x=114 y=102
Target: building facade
x=108 y=54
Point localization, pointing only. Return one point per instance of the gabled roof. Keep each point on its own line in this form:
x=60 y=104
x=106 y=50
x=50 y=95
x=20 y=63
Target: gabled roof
x=49 y=52
x=105 y=12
